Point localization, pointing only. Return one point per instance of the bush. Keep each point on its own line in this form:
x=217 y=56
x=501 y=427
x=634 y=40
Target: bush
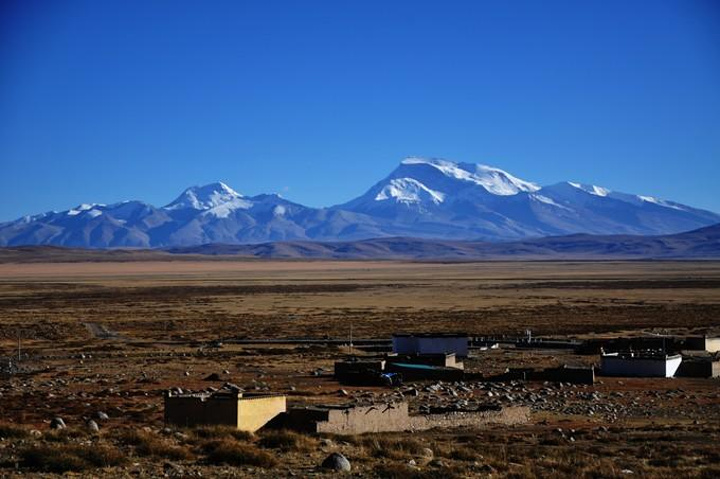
x=288 y=441
x=64 y=458
x=237 y=454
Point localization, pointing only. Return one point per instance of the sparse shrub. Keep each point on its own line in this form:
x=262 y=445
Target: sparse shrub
x=221 y=432
x=234 y=453
x=12 y=431
x=710 y=472
x=64 y=458
x=149 y=444
x=464 y=454
x=65 y=435
x=101 y=456
x=401 y=471
x=288 y=441
x=392 y=447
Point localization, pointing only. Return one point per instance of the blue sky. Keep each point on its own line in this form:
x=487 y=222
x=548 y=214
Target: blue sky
x=317 y=100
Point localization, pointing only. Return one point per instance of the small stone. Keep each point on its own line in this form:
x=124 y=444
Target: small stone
x=92 y=426
x=57 y=423
x=173 y=470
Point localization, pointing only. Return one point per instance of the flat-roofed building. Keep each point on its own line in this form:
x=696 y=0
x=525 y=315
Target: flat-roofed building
x=640 y=364
x=431 y=343
x=246 y=412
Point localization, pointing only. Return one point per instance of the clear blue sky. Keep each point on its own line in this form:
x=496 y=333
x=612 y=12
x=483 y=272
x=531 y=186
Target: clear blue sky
x=109 y=100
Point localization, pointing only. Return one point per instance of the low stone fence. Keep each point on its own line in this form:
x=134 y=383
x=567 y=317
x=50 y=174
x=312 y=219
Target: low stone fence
x=507 y=416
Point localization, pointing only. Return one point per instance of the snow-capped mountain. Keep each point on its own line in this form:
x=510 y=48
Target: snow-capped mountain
x=426 y=198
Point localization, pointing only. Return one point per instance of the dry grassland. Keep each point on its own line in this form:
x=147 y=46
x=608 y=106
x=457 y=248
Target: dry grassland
x=112 y=336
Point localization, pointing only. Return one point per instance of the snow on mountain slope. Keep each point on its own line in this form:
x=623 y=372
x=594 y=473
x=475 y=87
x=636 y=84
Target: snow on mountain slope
x=425 y=198
x=218 y=198
x=408 y=190
x=494 y=180
x=429 y=186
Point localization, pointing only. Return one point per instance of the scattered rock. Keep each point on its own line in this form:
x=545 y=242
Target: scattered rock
x=427 y=452
x=92 y=426
x=173 y=470
x=57 y=423
x=336 y=462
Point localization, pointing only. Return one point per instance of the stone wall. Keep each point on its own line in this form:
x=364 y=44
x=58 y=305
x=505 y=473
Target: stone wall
x=507 y=415
x=392 y=418
x=358 y=420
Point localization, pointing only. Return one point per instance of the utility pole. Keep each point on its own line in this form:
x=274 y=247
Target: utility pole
x=351 y=344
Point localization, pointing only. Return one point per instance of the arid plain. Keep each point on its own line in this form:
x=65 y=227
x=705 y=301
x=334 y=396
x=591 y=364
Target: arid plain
x=112 y=336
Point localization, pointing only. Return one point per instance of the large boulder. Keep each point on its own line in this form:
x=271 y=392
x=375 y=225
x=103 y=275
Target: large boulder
x=336 y=462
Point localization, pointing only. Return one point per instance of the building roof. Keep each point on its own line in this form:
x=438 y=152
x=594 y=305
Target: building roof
x=431 y=335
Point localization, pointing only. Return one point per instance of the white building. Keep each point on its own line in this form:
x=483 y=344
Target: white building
x=431 y=343
x=640 y=364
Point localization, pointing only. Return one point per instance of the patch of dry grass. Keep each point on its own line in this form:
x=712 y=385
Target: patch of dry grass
x=288 y=441
x=150 y=444
x=13 y=431
x=220 y=432
x=234 y=453
x=70 y=457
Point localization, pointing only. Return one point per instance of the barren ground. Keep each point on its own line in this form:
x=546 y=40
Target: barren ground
x=112 y=336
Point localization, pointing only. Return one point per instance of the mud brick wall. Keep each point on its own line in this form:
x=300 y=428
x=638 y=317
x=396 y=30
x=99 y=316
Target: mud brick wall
x=508 y=416
x=358 y=420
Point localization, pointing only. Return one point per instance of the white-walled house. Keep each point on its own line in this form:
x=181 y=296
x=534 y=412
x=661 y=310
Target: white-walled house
x=640 y=364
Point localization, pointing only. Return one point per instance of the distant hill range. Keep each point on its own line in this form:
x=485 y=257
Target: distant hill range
x=702 y=243
x=422 y=198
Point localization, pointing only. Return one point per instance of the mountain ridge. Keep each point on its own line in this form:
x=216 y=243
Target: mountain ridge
x=421 y=198
x=700 y=244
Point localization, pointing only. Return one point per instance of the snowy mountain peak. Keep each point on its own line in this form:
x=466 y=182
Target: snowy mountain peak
x=592 y=189
x=87 y=208
x=421 y=197
x=494 y=180
x=206 y=197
